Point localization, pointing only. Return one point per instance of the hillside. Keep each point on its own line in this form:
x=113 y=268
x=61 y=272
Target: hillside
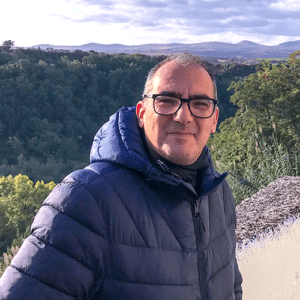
x=246 y=49
x=52 y=103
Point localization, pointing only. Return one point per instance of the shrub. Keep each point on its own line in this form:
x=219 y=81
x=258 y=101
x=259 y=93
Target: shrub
x=266 y=161
x=6 y=258
x=20 y=199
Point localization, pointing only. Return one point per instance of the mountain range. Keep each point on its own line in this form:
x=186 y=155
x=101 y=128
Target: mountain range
x=246 y=49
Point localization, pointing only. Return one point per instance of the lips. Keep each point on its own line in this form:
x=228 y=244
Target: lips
x=181 y=133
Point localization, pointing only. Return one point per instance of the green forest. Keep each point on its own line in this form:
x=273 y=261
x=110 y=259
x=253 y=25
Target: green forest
x=53 y=102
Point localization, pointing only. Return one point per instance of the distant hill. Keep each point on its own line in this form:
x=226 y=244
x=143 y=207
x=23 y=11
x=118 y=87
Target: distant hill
x=246 y=49
x=290 y=45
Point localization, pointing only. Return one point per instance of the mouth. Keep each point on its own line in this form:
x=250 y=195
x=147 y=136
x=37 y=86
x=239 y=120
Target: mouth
x=181 y=133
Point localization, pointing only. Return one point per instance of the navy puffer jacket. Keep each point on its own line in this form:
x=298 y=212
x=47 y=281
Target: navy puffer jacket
x=123 y=229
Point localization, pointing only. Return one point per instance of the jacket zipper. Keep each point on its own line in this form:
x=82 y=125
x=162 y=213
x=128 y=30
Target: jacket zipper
x=198 y=223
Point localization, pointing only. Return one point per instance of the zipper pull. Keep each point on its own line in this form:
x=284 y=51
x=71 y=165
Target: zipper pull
x=197 y=203
x=162 y=165
x=197 y=207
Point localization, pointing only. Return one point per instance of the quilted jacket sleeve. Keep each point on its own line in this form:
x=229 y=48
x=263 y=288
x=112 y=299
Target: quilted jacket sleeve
x=64 y=257
x=238 y=276
x=238 y=283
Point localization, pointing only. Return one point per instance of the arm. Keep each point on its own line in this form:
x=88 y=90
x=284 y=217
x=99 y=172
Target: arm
x=238 y=283
x=237 y=274
x=64 y=256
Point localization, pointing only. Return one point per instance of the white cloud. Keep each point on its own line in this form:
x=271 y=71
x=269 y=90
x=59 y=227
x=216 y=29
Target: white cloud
x=286 y=5
x=223 y=10
x=75 y=22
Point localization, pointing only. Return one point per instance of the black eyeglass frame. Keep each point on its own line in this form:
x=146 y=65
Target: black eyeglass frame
x=153 y=96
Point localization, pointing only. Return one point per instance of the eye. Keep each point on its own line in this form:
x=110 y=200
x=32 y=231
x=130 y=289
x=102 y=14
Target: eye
x=166 y=100
x=201 y=103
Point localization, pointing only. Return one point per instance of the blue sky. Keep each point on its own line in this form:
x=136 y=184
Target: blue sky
x=135 y=22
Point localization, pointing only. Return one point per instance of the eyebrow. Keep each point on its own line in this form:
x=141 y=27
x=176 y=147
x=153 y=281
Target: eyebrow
x=178 y=95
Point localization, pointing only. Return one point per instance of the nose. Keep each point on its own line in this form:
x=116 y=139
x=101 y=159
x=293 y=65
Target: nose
x=183 y=115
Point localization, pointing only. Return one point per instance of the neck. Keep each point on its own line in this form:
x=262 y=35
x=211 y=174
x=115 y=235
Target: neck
x=185 y=173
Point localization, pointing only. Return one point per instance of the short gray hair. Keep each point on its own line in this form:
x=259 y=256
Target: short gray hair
x=184 y=59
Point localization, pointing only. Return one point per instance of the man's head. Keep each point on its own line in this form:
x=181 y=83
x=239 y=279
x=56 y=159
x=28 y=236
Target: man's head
x=184 y=59
x=181 y=137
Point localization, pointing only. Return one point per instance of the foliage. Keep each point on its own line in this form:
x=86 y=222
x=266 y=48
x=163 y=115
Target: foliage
x=52 y=170
x=6 y=258
x=19 y=201
x=266 y=161
x=7 y=45
x=268 y=97
x=53 y=102
x=225 y=76
x=50 y=109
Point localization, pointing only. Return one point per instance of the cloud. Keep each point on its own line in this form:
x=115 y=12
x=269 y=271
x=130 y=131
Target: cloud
x=97 y=2
x=107 y=18
x=195 y=17
x=286 y=5
x=133 y=3
x=148 y=21
x=244 y=22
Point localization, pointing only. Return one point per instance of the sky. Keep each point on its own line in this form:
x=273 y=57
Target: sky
x=135 y=22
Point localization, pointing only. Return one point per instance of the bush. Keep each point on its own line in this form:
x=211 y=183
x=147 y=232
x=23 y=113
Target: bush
x=20 y=199
x=6 y=259
x=267 y=160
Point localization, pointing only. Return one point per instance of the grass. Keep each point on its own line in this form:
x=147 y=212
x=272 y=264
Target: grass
x=6 y=259
x=267 y=161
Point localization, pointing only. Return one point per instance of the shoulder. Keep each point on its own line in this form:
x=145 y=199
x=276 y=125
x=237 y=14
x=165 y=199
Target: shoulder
x=80 y=197
x=224 y=192
x=227 y=191
x=95 y=184
x=84 y=184
x=223 y=189
x=221 y=199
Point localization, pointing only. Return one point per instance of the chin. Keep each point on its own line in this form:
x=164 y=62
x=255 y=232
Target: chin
x=178 y=155
x=182 y=160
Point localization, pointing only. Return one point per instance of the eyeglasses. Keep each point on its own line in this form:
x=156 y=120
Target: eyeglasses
x=168 y=105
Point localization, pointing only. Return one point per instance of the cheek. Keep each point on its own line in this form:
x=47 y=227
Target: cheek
x=156 y=131
x=204 y=129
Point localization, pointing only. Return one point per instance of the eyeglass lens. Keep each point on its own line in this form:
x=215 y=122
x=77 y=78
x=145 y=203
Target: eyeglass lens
x=167 y=105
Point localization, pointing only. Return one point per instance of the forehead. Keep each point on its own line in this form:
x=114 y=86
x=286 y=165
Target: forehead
x=181 y=79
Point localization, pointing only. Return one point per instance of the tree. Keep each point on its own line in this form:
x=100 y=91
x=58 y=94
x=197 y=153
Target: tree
x=268 y=100
x=7 y=45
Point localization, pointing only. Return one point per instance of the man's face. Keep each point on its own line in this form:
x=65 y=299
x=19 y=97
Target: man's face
x=179 y=138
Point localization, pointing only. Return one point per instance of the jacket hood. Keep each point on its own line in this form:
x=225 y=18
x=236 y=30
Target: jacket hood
x=119 y=141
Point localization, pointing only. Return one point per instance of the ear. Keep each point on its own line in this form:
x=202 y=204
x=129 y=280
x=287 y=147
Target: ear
x=215 y=117
x=140 y=112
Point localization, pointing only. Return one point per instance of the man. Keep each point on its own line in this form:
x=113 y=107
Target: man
x=149 y=218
